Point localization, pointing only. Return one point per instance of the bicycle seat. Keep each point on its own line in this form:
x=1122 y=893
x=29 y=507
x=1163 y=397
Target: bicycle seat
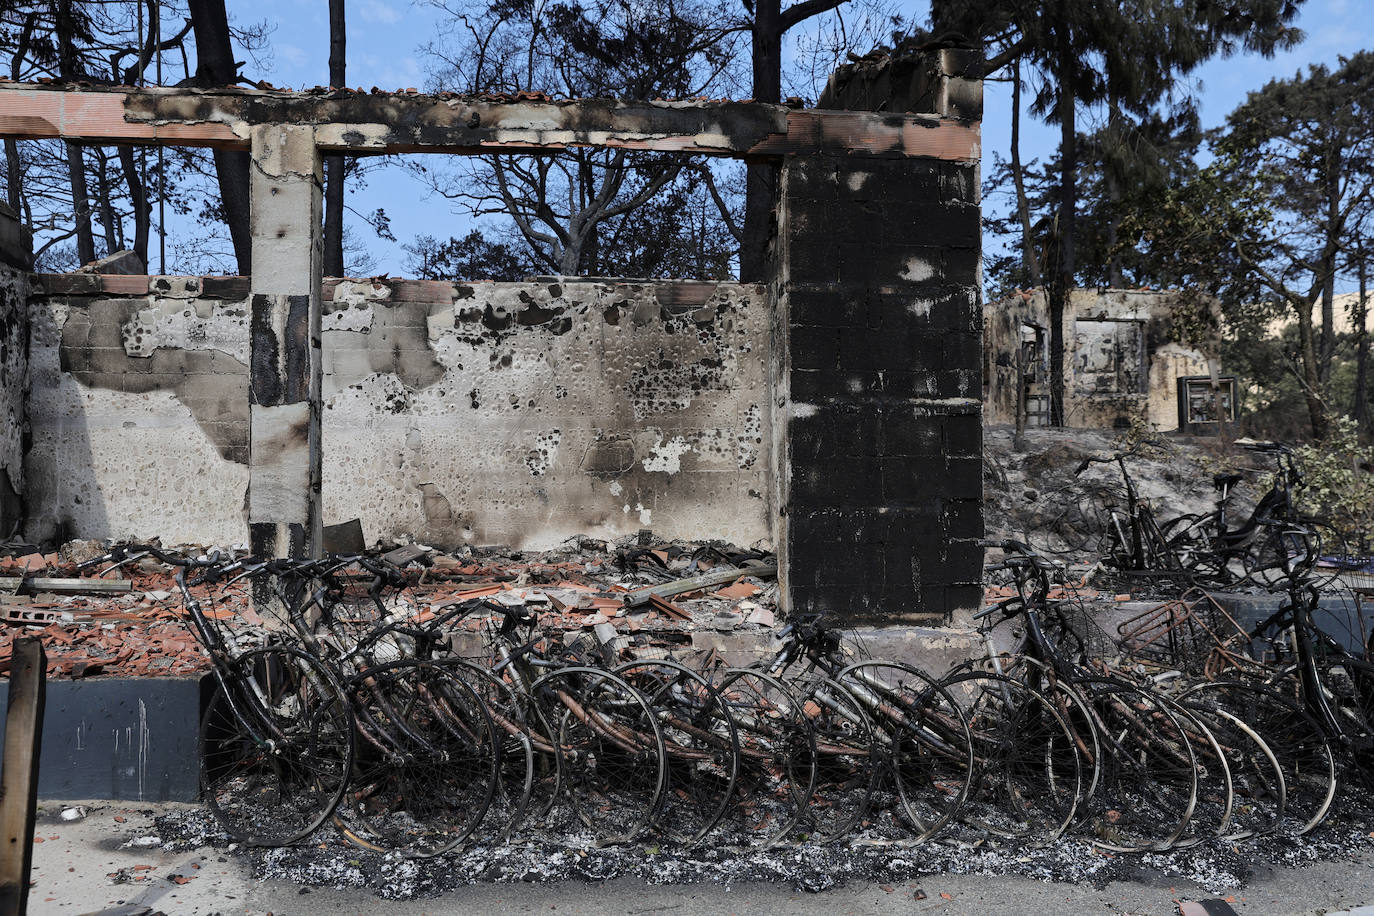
x=1222 y=481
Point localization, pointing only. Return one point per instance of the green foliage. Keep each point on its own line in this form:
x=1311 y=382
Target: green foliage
x=1194 y=319
x=1339 y=483
x=1143 y=440
x=1272 y=221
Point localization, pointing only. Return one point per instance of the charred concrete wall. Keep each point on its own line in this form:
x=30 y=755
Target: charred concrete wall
x=882 y=464
x=1124 y=354
x=517 y=413
x=877 y=261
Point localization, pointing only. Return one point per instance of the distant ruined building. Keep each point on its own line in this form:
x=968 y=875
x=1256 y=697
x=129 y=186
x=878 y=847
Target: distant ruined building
x=1132 y=356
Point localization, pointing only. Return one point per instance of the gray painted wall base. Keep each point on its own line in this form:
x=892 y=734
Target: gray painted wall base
x=130 y=739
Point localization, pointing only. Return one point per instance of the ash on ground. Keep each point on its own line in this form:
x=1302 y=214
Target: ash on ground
x=328 y=860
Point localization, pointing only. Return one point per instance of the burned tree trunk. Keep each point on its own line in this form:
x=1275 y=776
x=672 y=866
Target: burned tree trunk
x=13 y=164
x=138 y=195
x=109 y=224
x=1029 y=262
x=1360 y=409
x=135 y=168
x=334 y=165
x=81 y=204
x=69 y=68
x=1309 y=375
x=761 y=179
x=14 y=183
x=1062 y=282
x=1333 y=219
x=215 y=66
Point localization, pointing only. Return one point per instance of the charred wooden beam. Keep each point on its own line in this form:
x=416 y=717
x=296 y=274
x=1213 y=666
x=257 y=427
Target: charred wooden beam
x=382 y=123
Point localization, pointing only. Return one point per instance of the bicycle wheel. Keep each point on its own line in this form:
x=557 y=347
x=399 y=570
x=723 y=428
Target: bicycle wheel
x=1348 y=688
x=1258 y=784
x=1215 y=789
x=614 y=767
x=1028 y=774
x=847 y=770
x=777 y=758
x=1071 y=706
x=701 y=742
x=1192 y=539
x=923 y=737
x=1188 y=529
x=516 y=776
x=276 y=747
x=1279 y=554
x=1297 y=741
x=540 y=721
x=1085 y=525
x=1149 y=779
x=1331 y=554
x=436 y=767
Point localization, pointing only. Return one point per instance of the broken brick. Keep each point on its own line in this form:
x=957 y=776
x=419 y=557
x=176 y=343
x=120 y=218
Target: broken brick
x=739 y=589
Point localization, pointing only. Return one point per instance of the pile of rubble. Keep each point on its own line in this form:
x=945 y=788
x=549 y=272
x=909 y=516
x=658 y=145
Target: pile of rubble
x=645 y=592
x=1035 y=493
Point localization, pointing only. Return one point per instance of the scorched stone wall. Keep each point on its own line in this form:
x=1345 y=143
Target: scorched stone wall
x=515 y=413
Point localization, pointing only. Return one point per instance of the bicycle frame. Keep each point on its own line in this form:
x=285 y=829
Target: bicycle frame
x=1310 y=640
x=261 y=730
x=1140 y=541
x=821 y=648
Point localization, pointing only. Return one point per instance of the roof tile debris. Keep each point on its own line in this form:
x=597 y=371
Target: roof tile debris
x=585 y=583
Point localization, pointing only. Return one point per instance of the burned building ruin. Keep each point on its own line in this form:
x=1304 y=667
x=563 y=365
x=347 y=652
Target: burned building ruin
x=1147 y=357
x=833 y=411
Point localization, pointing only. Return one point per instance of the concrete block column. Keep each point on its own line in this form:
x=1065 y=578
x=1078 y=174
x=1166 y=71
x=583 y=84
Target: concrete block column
x=877 y=387
x=284 y=380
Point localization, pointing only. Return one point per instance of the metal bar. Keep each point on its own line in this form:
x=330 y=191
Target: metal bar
x=724 y=577
x=65 y=586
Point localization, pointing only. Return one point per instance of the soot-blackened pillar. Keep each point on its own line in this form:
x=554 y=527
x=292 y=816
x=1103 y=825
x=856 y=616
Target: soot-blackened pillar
x=284 y=428
x=877 y=387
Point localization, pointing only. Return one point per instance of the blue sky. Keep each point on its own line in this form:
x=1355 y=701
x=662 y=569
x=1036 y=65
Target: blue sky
x=384 y=37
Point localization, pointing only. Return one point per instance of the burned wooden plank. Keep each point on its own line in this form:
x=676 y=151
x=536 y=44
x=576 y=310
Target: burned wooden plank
x=19 y=772
x=91 y=115
x=385 y=123
x=659 y=603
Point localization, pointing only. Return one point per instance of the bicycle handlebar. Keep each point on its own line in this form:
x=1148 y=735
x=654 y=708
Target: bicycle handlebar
x=1024 y=556
x=1132 y=452
x=999 y=606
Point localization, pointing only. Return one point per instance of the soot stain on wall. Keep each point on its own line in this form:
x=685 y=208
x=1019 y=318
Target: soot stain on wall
x=477 y=413
x=212 y=384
